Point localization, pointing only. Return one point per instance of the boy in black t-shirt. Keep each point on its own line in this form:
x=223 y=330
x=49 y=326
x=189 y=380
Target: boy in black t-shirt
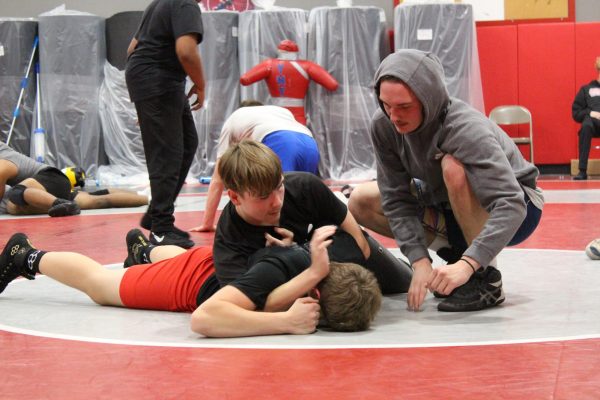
x=269 y=208
x=163 y=51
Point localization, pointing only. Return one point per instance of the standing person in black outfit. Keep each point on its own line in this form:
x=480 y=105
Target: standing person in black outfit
x=163 y=51
x=586 y=111
x=269 y=208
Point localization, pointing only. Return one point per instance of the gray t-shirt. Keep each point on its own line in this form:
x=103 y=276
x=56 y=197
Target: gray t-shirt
x=27 y=168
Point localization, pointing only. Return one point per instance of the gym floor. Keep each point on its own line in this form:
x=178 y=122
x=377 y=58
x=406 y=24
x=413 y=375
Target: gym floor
x=542 y=343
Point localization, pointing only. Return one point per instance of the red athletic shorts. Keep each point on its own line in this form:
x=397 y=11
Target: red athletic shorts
x=169 y=285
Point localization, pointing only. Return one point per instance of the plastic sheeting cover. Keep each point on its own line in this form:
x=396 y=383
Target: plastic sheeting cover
x=260 y=32
x=72 y=56
x=349 y=43
x=219 y=51
x=121 y=133
x=448 y=31
x=16 y=44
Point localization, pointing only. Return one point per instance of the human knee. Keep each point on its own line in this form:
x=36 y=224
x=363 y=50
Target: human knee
x=454 y=174
x=16 y=195
x=362 y=202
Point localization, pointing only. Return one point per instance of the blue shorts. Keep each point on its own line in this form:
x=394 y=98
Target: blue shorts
x=297 y=151
x=452 y=229
x=531 y=221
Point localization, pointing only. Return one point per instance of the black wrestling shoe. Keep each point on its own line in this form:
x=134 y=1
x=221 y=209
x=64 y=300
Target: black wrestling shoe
x=170 y=238
x=13 y=260
x=63 y=208
x=137 y=248
x=482 y=290
x=581 y=176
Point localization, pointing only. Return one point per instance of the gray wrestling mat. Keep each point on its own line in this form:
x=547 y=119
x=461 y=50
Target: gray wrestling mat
x=550 y=295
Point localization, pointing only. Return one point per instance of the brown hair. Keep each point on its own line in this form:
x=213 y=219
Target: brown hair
x=250 y=103
x=350 y=297
x=250 y=167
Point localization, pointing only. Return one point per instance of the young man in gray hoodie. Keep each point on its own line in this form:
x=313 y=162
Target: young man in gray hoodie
x=466 y=170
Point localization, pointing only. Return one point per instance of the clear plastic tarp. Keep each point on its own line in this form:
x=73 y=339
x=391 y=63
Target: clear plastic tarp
x=16 y=45
x=219 y=52
x=349 y=42
x=72 y=56
x=121 y=133
x=260 y=32
x=448 y=31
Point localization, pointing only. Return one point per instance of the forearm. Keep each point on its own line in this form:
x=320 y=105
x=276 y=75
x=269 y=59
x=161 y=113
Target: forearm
x=189 y=57
x=215 y=191
x=217 y=318
x=284 y=296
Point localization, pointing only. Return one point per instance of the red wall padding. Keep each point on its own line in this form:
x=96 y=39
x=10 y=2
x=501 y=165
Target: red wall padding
x=498 y=58
x=546 y=83
x=540 y=66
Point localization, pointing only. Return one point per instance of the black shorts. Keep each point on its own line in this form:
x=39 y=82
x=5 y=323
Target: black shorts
x=55 y=182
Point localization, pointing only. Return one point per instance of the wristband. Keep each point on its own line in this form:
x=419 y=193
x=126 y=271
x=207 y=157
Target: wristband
x=469 y=263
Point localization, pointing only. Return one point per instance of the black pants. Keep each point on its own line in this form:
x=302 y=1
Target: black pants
x=170 y=141
x=589 y=128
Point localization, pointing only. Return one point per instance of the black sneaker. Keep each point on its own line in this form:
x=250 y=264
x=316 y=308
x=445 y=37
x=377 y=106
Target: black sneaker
x=483 y=290
x=137 y=246
x=581 y=176
x=12 y=260
x=170 y=238
x=63 y=208
x=146 y=223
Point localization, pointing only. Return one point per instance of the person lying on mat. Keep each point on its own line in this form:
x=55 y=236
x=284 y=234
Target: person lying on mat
x=37 y=188
x=286 y=290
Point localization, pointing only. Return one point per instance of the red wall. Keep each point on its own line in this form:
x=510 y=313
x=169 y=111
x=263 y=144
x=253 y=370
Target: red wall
x=540 y=66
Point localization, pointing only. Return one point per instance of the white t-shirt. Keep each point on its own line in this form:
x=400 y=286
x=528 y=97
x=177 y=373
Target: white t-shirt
x=255 y=123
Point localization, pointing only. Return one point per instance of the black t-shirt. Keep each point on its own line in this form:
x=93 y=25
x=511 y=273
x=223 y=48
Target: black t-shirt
x=153 y=68
x=307 y=205
x=271 y=267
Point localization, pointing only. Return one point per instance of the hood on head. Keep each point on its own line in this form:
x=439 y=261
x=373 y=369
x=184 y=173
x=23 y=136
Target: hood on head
x=423 y=73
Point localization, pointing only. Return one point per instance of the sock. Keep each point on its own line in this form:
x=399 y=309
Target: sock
x=31 y=262
x=147 y=251
x=100 y=192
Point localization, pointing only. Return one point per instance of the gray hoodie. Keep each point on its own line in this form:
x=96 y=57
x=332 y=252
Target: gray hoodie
x=495 y=167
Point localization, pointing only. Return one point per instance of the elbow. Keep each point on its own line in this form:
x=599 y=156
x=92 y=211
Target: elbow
x=198 y=323
x=202 y=323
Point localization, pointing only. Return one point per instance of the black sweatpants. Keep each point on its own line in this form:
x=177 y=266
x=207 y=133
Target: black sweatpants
x=170 y=141
x=589 y=128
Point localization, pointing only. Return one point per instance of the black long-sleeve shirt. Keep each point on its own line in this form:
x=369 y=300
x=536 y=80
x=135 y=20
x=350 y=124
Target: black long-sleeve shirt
x=587 y=99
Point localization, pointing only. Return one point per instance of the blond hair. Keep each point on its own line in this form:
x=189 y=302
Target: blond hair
x=250 y=167
x=350 y=297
